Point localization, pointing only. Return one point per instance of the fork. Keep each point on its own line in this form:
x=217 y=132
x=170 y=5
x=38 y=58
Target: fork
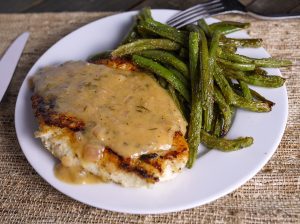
x=215 y=7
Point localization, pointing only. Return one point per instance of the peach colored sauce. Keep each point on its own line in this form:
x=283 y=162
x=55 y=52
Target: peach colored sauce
x=126 y=111
x=75 y=175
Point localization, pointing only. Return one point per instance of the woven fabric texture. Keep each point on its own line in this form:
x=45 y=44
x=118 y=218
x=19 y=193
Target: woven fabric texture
x=272 y=196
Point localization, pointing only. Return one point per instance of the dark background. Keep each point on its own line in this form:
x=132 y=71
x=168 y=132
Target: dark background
x=28 y=6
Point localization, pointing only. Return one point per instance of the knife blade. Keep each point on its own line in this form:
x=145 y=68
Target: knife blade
x=9 y=61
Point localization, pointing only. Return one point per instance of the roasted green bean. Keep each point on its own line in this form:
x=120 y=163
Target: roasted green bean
x=225 y=110
x=245 y=89
x=195 y=123
x=166 y=58
x=158 y=69
x=144 y=44
x=223 y=144
x=255 y=79
x=179 y=105
x=218 y=125
x=193 y=54
x=183 y=53
x=204 y=27
x=207 y=63
x=236 y=66
x=256 y=106
x=264 y=62
x=226 y=27
x=181 y=77
x=163 y=30
x=255 y=43
x=254 y=94
x=225 y=87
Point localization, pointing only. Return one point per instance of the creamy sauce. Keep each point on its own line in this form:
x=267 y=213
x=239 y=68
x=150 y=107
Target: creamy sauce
x=75 y=175
x=124 y=110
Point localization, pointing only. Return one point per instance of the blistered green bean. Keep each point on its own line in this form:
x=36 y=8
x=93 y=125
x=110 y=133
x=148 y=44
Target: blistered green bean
x=144 y=44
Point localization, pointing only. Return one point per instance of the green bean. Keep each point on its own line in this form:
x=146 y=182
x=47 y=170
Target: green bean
x=192 y=28
x=255 y=94
x=99 y=56
x=255 y=43
x=225 y=87
x=219 y=120
x=144 y=14
x=144 y=44
x=271 y=63
x=264 y=62
x=225 y=110
x=179 y=105
x=225 y=54
x=206 y=76
x=163 y=72
x=233 y=112
x=226 y=27
x=181 y=77
x=214 y=45
x=193 y=55
x=244 y=103
x=245 y=89
x=132 y=33
x=184 y=105
x=223 y=144
x=259 y=97
x=260 y=71
x=236 y=66
x=166 y=58
x=162 y=82
x=251 y=105
x=228 y=48
x=204 y=27
x=207 y=62
x=163 y=30
x=183 y=53
x=196 y=109
x=194 y=125
x=255 y=79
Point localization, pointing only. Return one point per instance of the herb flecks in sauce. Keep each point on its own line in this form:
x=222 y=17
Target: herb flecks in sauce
x=123 y=110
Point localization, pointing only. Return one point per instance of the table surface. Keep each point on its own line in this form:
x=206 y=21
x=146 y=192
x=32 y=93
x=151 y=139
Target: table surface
x=27 y=6
x=272 y=196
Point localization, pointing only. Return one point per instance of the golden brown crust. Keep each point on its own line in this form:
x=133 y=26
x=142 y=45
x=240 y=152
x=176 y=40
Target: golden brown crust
x=148 y=166
x=117 y=63
x=45 y=111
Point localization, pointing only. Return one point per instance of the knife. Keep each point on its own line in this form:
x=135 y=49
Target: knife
x=9 y=61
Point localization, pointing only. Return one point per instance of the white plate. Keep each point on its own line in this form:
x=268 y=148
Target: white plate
x=215 y=173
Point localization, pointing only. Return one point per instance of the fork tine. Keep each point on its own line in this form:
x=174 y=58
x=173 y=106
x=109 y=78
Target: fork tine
x=200 y=16
x=194 y=13
x=184 y=12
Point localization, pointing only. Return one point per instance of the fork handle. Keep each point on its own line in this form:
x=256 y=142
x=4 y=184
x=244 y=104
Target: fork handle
x=273 y=17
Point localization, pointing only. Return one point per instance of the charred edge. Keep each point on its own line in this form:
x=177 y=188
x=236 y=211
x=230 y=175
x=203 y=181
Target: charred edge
x=173 y=154
x=125 y=165
x=147 y=158
x=45 y=111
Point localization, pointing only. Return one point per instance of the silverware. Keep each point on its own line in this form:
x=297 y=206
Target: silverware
x=9 y=61
x=215 y=7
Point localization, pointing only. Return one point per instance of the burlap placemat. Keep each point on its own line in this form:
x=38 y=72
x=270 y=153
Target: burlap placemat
x=273 y=195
